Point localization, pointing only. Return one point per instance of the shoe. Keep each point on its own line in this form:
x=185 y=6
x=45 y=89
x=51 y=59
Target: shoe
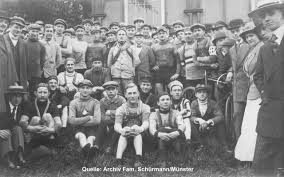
x=138 y=161
x=93 y=151
x=86 y=150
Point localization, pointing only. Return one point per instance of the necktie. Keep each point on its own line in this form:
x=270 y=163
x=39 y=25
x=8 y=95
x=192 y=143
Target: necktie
x=14 y=112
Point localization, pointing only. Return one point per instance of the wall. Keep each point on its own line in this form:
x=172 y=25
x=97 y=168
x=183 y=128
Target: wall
x=113 y=11
x=174 y=11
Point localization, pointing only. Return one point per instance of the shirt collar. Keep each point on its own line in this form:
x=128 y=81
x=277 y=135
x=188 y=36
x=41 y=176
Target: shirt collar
x=279 y=33
x=12 y=107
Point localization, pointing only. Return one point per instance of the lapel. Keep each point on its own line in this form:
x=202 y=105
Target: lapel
x=8 y=46
x=142 y=52
x=209 y=110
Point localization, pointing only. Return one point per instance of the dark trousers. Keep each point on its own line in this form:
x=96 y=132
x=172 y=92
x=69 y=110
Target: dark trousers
x=268 y=156
x=102 y=133
x=165 y=146
x=239 y=110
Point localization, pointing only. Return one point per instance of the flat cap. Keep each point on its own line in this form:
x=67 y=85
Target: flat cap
x=138 y=19
x=60 y=21
x=110 y=84
x=175 y=83
x=85 y=82
x=17 y=20
x=34 y=26
x=87 y=21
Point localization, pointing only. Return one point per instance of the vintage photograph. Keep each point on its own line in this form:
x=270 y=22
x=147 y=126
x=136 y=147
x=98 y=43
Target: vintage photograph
x=141 y=88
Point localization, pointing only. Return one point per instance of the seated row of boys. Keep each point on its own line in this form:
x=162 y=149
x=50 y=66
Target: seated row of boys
x=170 y=119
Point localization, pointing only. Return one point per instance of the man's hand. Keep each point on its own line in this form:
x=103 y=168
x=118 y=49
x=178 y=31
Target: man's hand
x=4 y=134
x=229 y=77
x=164 y=136
x=173 y=135
x=108 y=113
x=203 y=126
x=155 y=68
x=174 y=77
x=47 y=130
x=137 y=129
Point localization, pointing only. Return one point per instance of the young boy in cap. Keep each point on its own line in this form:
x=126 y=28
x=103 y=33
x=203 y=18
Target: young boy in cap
x=146 y=57
x=181 y=104
x=167 y=126
x=207 y=118
x=63 y=41
x=96 y=49
x=109 y=105
x=85 y=116
x=69 y=80
x=146 y=95
x=131 y=120
x=98 y=75
x=167 y=67
x=41 y=118
x=11 y=133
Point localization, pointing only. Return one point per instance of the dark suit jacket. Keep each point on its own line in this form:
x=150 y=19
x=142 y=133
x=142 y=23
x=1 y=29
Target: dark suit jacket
x=240 y=79
x=213 y=112
x=147 y=59
x=269 y=79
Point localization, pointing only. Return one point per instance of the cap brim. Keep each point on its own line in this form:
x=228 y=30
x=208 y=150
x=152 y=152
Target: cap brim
x=261 y=9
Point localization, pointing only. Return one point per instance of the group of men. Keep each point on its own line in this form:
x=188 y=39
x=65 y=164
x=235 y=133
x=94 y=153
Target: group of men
x=126 y=82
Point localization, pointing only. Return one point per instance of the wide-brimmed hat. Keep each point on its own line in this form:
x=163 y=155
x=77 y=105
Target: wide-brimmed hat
x=16 y=89
x=235 y=23
x=197 y=25
x=18 y=20
x=200 y=87
x=263 y=5
x=217 y=36
x=248 y=28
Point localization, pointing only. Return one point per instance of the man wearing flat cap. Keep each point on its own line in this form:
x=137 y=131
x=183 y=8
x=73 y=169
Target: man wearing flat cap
x=146 y=57
x=114 y=26
x=146 y=31
x=13 y=63
x=109 y=105
x=35 y=53
x=138 y=22
x=268 y=78
x=4 y=23
x=178 y=25
x=63 y=41
x=11 y=133
x=104 y=30
x=85 y=116
x=131 y=30
x=110 y=40
x=167 y=67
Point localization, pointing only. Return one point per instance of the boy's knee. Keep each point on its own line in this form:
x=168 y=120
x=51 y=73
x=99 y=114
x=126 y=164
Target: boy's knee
x=79 y=135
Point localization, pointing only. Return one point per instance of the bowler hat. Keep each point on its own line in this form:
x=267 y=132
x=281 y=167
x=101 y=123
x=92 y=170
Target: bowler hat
x=217 y=36
x=15 y=89
x=235 y=23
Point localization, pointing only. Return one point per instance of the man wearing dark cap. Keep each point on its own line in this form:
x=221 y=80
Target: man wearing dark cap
x=178 y=25
x=179 y=40
x=11 y=133
x=167 y=126
x=104 y=30
x=114 y=26
x=109 y=105
x=98 y=75
x=234 y=27
x=97 y=49
x=167 y=67
x=63 y=41
x=13 y=63
x=131 y=30
x=138 y=22
x=88 y=26
x=79 y=48
x=36 y=55
x=110 y=40
x=146 y=57
x=146 y=95
x=85 y=116
x=4 y=23
x=53 y=55
x=220 y=26
x=96 y=25
x=146 y=31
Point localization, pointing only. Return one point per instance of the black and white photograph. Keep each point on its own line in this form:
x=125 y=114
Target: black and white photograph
x=142 y=88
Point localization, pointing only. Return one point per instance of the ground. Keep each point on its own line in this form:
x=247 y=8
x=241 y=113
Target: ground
x=68 y=162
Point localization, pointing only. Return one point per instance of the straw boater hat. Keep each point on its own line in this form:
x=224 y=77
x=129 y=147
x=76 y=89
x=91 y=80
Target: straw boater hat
x=264 y=5
x=15 y=89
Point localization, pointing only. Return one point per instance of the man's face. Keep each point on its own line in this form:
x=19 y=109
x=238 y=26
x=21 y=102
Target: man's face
x=163 y=35
x=176 y=92
x=97 y=36
x=53 y=84
x=80 y=33
x=103 y=32
x=3 y=25
x=33 y=34
x=188 y=36
x=219 y=42
x=97 y=65
x=272 y=19
x=68 y=35
x=87 y=27
x=85 y=91
x=131 y=32
x=49 y=33
x=181 y=36
x=138 y=24
x=96 y=27
x=42 y=94
x=59 y=28
x=177 y=27
x=111 y=92
x=115 y=28
x=16 y=99
x=145 y=87
x=139 y=40
x=164 y=102
x=146 y=30
x=198 y=32
x=70 y=66
x=156 y=39
x=121 y=36
x=16 y=30
x=111 y=37
x=132 y=95
x=235 y=33
x=201 y=95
